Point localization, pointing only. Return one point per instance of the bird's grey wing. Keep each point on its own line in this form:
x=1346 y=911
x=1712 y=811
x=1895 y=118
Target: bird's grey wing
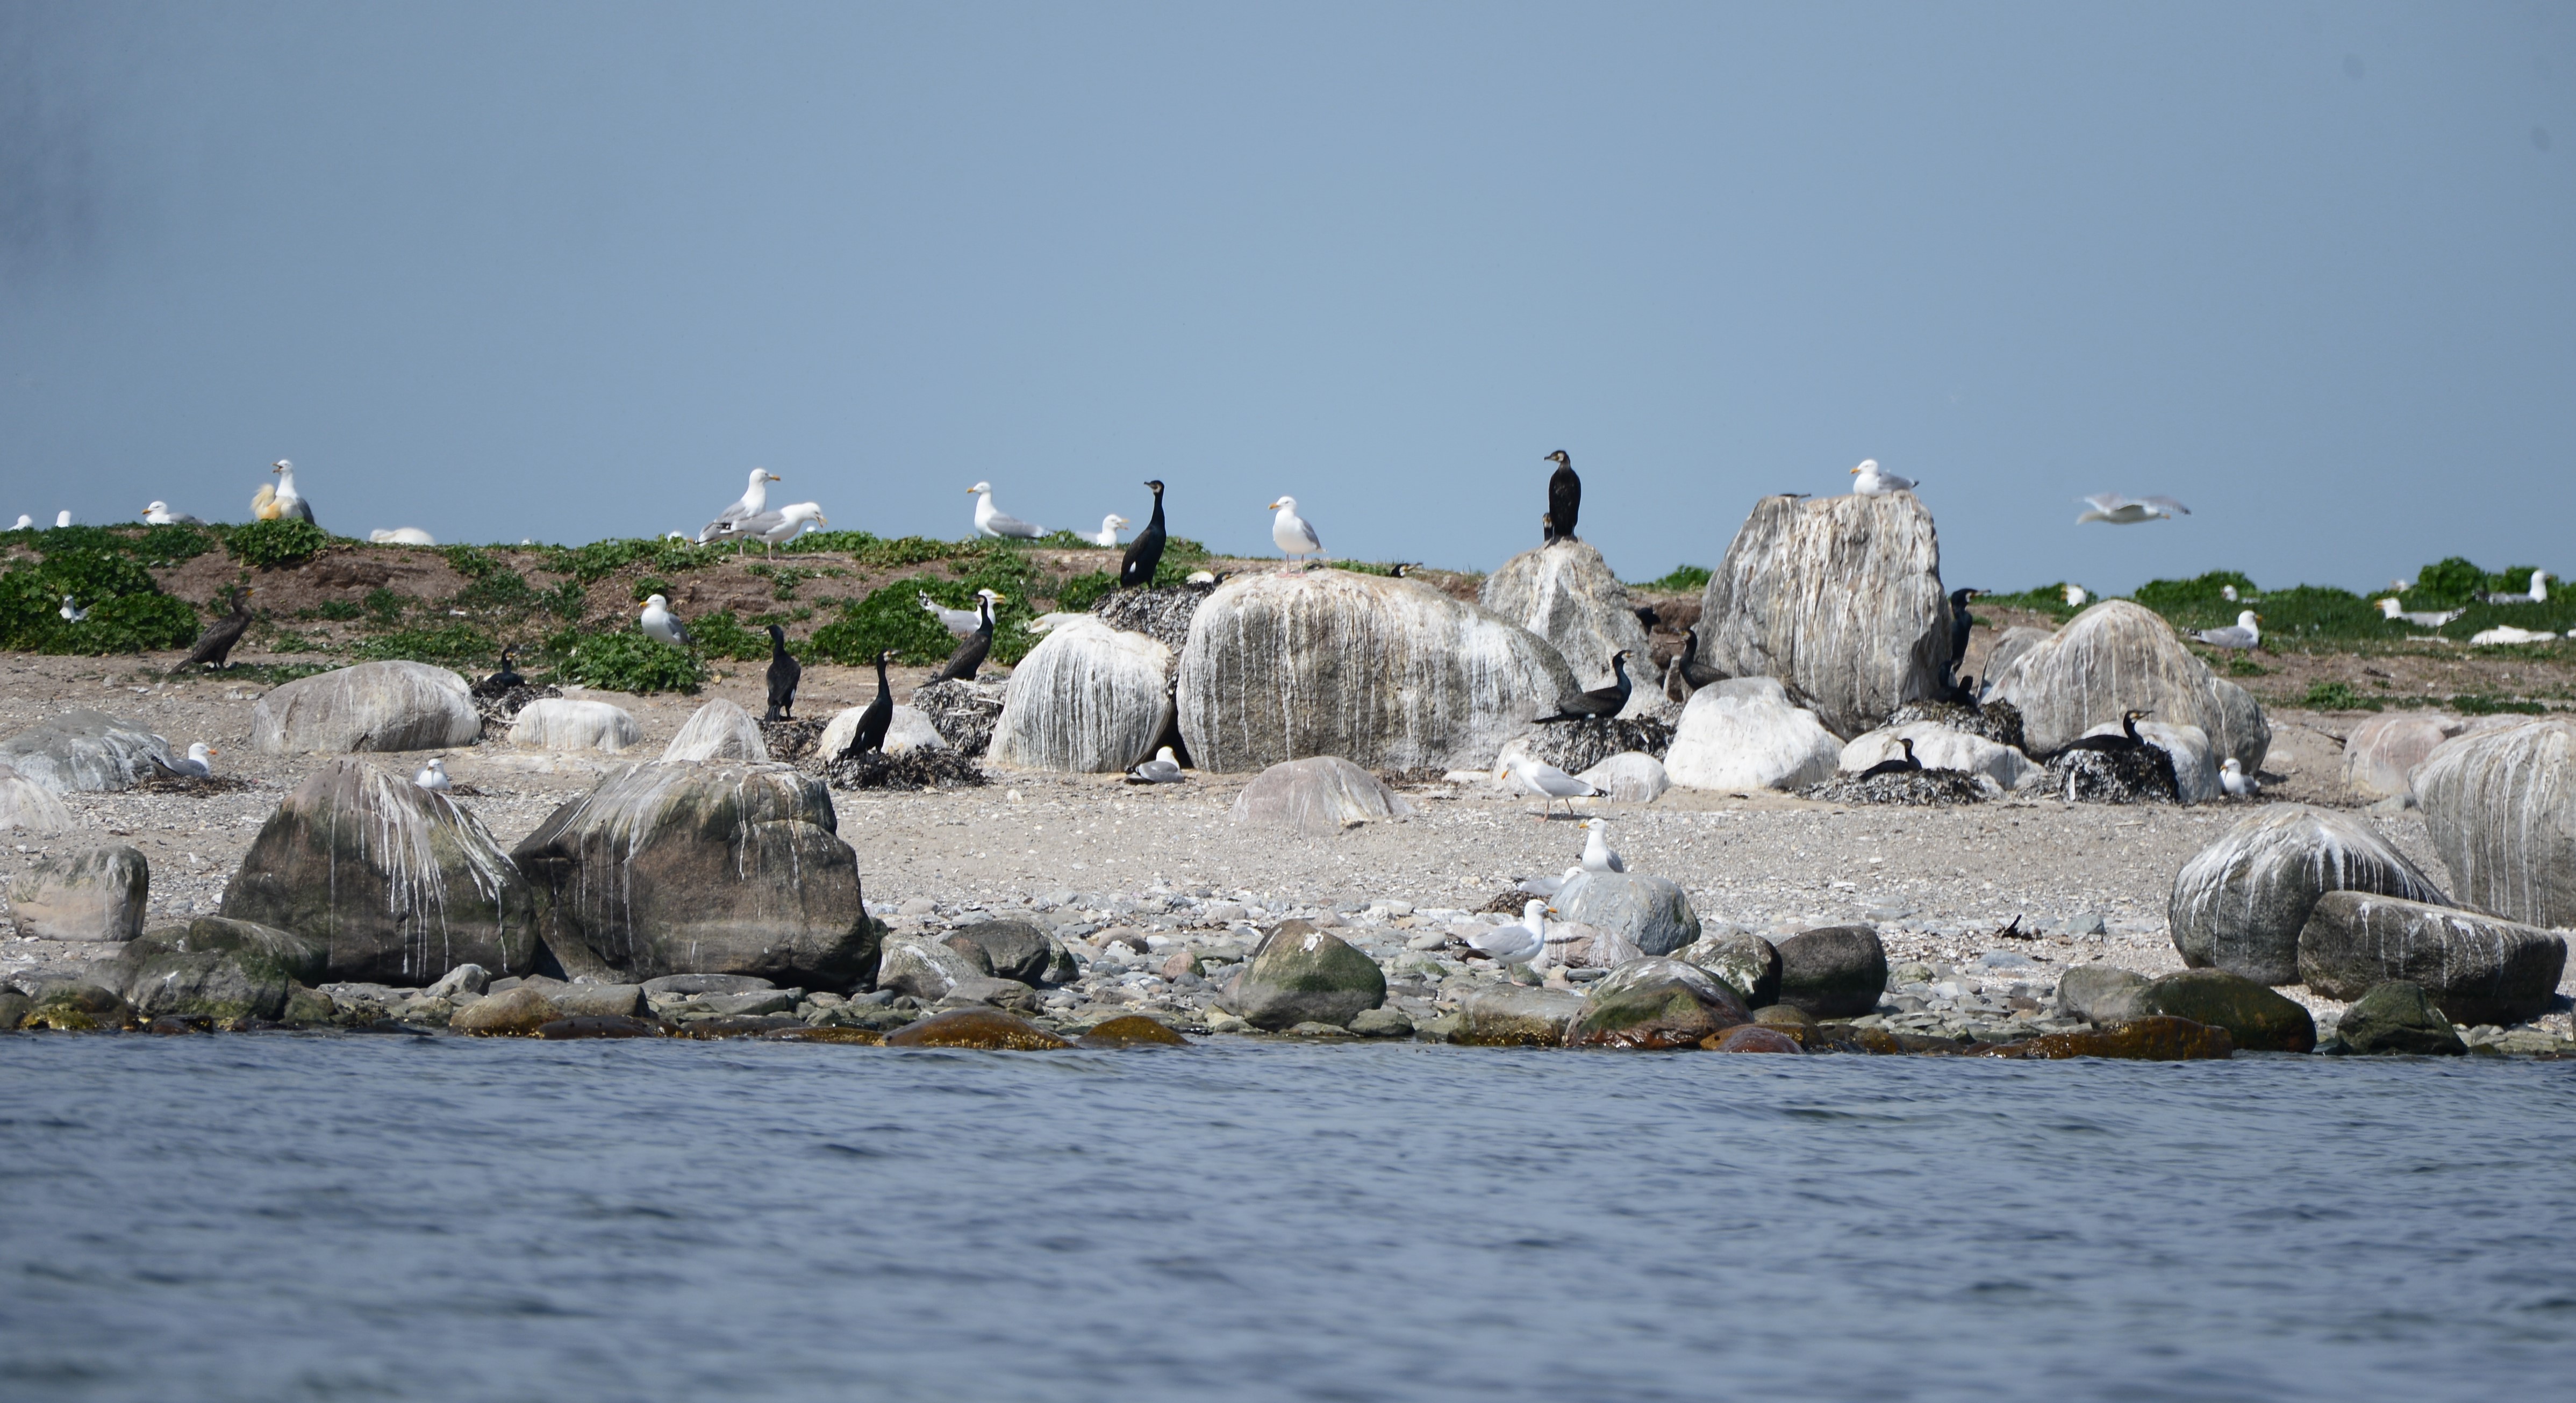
x=2167 y=503
x=301 y=511
x=1618 y=863
x=1308 y=530
x=756 y=525
x=186 y=520
x=2106 y=501
x=1004 y=524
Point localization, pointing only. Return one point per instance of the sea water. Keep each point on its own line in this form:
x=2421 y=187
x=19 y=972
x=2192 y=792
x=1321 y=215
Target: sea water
x=389 y=1217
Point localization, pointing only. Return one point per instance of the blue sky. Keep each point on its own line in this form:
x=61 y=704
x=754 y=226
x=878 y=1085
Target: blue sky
x=569 y=271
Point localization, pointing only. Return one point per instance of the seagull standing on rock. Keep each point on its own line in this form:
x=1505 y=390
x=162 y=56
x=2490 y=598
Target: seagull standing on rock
x=1517 y=943
x=1546 y=781
x=663 y=626
x=1292 y=533
x=433 y=776
x=1597 y=856
x=1870 y=480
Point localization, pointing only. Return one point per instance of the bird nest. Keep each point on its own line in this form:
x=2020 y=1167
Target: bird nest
x=1510 y=902
x=1161 y=614
x=2141 y=776
x=499 y=709
x=1920 y=789
x=912 y=769
x=962 y=712
x=1997 y=721
x=156 y=782
x=791 y=741
x=1576 y=746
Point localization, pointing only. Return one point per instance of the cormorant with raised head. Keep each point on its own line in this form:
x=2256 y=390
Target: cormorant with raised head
x=969 y=657
x=1904 y=765
x=1600 y=701
x=1136 y=568
x=2126 y=738
x=499 y=683
x=784 y=673
x=879 y=715
x=1564 y=495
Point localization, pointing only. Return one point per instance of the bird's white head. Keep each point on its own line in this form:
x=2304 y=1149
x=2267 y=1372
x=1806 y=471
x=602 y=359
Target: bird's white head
x=1867 y=465
x=761 y=475
x=804 y=511
x=281 y=466
x=62 y=519
x=656 y=601
x=2247 y=618
x=1112 y=522
x=2231 y=765
x=1284 y=504
x=156 y=507
x=979 y=489
x=199 y=751
x=1594 y=825
x=990 y=596
x=1533 y=911
x=1166 y=756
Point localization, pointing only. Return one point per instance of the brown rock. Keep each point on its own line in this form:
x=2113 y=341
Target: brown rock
x=1752 y=1037
x=2150 y=1039
x=979 y=1028
x=603 y=1026
x=1656 y=1004
x=1134 y=1030
x=861 y=1037
x=513 y=1013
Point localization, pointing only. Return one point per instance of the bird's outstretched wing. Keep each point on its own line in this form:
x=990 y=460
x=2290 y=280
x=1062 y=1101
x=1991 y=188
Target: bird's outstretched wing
x=2167 y=503
x=2105 y=501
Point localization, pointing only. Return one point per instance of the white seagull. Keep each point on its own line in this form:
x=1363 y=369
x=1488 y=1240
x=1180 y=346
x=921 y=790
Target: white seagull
x=2248 y=632
x=1547 y=886
x=1164 y=768
x=401 y=536
x=1291 y=532
x=159 y=514
x=2507 y=633
x=1870 y=480
x=754 y=501
x=2129 y=511
x=433 y=775
x=1544 y=780
x=2421 y=618
x=993 y=521
x=1597 y=856
x=196 y=764
x=1108 y=533
x=660 y=623
x=775 y=529
x=24 y=521
x=72 y=613
x=289 y=502
x=2233 y=779
x=2537 y=594
x=2075 y=596
x=62 y=519
x=1517 y=943
x=961 y=621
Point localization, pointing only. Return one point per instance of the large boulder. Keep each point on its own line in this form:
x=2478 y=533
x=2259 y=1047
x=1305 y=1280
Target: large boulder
x=1833 y=971
x=2479 y=970
x=1089 y=699
x=2380 y=756
x=1743 y=734
x=372 y=706
x=566 y=723
x=721 y=731
x=1017 y=950
x=94 y=895
x=927 y=969
x=1317 y=797
x=30 y=807
x=1511 y=1015
x=82 y=751
x=1565 y=593
x=2011 y=644
x=1299 y=974
x=2239 y=904
x=702 y=869
x=2501 y=808
x=2399 y=1017
x=2100 y=993
x=1650 y=912
x=2259 y=1019
x=1749 y=964
x=1939 y=747
x=2117 y=657
x=1387 y=673
x=217 y=968
x=1629 y=777
x=399 y=884
x=1654 y=1004
x=1840 y=597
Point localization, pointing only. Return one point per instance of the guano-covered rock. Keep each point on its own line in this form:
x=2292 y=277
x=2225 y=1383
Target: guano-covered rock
x=1565 y=593
x=2501 y=808
x=1088 y=699
x=372 y=706
x=2240 y=903
x=2118 y=656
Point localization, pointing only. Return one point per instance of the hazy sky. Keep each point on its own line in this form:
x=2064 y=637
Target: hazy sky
x=569 y=271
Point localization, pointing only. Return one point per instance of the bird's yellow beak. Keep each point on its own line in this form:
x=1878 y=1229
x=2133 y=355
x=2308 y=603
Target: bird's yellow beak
x=1855 y=472
x=970 y=491
x=776 y=478
x=210 y=750
x=1272 y=507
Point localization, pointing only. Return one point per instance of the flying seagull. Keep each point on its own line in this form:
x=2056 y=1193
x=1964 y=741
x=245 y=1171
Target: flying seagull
x=2129 y=511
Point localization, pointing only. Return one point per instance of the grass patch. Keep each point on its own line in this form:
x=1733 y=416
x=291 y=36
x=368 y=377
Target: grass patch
x=624 y=661
x=285 y=541
x=2337 y=696
x=127 y=612
x=448 y=645
x=721 y=635
x=384 y=607
x=338 y=611
x=1684 y=579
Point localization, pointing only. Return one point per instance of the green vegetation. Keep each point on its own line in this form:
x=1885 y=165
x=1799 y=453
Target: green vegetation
x=384 y=606
x=1077 y=595
x=2204 y=592
x=335 y=610
x=868 y=551
x=624 y=661
x=1684 y=579
x=460 y=645
x=721 y=635
x=285 y=541
x=600 y=559
x=127 y=612
x=2337 y=696
x=2044 y=599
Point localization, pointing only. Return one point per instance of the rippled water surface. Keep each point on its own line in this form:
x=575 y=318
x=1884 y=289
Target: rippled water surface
x=352 y=1217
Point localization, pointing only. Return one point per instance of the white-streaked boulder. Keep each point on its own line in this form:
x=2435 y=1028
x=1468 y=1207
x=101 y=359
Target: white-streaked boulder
x=717 y=731
x=2381 y=755
x=82 y=751
x=1089 y=699
x=2501 y=808
x=1743 y=734
x=30 y=807
x=1840 y=597
x=1941 y=748
x=2239 y=904
x=2116 y=657
x=1629 y=777
x=565 y=723
x=907 y=729
x=1566 y=594
x=1383 y=672
x=372 y=706
x=1316 y=796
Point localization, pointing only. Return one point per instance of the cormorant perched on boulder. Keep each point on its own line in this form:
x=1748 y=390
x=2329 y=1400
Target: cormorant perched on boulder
x=873 y=722
x=1564 y=495
x=784 y=674
x=969 y=657
x=216 y=643
x=1600 y=701
x=1136 y=568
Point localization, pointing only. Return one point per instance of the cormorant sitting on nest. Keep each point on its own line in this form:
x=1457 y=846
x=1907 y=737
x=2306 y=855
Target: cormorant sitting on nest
x=1564 y=496
x=1600 y=701
x=879 y=715
x=784 y=673
x=499 y=683
x=1136 y=568
x=1903 y=766
x=969 y=657
x=216 y=643
x=2115 y=742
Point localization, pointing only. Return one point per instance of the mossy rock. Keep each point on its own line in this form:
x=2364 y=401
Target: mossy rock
x=987 y=1028
x=2257 y=1018
x=2155 y=1038
x=1132 y=1030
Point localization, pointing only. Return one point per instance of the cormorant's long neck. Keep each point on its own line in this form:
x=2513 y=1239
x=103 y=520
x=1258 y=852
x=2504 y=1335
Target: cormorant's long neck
x=882 y=684
x=1158 y=511
x=2130 y=724
x=1619 y=669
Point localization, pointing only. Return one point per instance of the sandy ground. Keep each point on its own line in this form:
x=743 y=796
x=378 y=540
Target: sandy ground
x=1937 y=883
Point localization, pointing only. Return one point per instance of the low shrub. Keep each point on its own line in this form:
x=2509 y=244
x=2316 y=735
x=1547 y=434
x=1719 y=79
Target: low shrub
x=1684 y=579
x=449 y=645
x=285 y=541
x=2201 y=591
x=721 y=635
x=2337 y=696
x=624 y=661
x=1082 y=591
x=127 y=613
x=892 y=617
